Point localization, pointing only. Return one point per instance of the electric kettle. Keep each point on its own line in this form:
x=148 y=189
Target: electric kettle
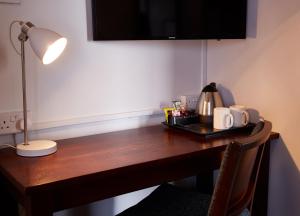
x=208 y=100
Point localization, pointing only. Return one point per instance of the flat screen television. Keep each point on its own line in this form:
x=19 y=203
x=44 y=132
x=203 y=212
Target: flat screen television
x=168 y=19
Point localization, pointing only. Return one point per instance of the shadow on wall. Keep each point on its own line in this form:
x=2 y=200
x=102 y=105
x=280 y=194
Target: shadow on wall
x=187 y=68
x=228 y=100
x=104 y=207
x=252 y=19
x=226 y=95
x=79 y=211
x=89 y=19
x=108 y=207
x=283 y=198
x=3 y=59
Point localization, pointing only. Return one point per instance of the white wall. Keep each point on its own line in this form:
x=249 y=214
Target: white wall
x=93 y=87
x=263 y=72
x=92 y=79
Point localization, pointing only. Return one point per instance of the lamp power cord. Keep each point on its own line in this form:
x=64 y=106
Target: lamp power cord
x=7 y=145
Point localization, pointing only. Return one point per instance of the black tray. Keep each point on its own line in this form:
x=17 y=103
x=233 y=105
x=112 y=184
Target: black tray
x=204 y=130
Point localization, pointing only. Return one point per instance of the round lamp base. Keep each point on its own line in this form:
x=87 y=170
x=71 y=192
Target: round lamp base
x=37 y=148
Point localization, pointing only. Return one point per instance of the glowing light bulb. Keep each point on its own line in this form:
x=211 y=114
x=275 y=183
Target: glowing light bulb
x=54 y=50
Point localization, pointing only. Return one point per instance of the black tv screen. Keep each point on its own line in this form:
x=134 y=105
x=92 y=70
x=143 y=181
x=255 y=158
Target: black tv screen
x=168 y=19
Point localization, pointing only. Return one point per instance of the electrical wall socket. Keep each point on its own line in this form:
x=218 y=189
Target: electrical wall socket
x=9 y=122
x=189 y=101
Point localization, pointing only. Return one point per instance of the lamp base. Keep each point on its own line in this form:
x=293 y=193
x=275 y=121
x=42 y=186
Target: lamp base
x=37 y=148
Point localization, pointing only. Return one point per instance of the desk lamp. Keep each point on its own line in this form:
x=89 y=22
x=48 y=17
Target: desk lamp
x=47 y=45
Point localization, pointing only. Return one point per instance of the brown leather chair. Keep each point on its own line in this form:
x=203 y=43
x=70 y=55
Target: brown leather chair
x=233 y=192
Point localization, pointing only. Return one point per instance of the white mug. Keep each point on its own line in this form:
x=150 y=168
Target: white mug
x=240 y=115
x=223 y=119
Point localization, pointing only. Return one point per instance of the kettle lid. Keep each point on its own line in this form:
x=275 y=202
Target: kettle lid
x=210 y=88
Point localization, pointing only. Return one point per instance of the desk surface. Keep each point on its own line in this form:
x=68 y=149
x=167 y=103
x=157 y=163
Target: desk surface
x=118 y=154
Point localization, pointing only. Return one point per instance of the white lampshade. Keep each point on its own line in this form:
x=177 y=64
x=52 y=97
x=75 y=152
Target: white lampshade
x=46 y=44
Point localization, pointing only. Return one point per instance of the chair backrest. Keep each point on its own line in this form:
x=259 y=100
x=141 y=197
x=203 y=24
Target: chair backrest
x=235 y=186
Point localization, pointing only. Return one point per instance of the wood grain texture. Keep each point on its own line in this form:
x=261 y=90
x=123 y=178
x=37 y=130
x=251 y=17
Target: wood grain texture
x=105 y=165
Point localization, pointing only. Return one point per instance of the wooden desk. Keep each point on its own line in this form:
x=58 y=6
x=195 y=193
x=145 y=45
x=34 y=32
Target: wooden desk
x=86 y=169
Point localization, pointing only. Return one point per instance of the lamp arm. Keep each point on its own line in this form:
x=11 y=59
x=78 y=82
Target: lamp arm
x=23 y=37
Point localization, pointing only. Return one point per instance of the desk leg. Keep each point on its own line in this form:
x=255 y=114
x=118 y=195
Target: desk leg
x=205 y=179
x=9 y=205
x=39 y=205
x=205 y=182
x=260 y=202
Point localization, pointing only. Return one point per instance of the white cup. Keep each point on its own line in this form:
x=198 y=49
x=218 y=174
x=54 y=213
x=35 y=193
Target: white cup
x=223 y=119
x=240 y=115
